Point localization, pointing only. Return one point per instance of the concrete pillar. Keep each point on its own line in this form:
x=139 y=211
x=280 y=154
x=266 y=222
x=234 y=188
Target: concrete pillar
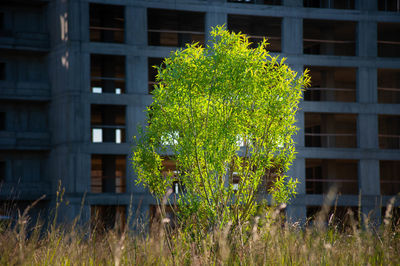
x=136 y=25
x=367 y=5
x=293 y=3
x=296 y=213
x=368 y=173
x=367 y=85
x=367 y=131
x=136 y=75
x=292 y=35
x=214 y=18
x=367 y=35
x=298 y=170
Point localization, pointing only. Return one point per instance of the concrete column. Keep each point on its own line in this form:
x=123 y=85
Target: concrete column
x=293 y=3
x=84 y=21
x=214 y=18
x=298 y=170
x=367 y=35
x=292 y=35
x=368 y=176
x=136 y=25
x=367 y=85
x=136 y=75
x=296 y=213
x=367 y=131
x=367 y=5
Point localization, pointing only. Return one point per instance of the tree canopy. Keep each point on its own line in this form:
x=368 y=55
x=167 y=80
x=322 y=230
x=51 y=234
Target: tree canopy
x=222 y=112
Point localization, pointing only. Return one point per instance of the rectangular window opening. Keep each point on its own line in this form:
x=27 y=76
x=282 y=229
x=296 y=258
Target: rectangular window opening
x=2 y=71
x=337 y=84
x=257 y=28
x=107 y=74
x=108 y=174
x=108 y=123
x=389 y=86
x=2 y=172
x=389 y=177
x=341 y=217
x=152 y=72
x=2 y=121
x=257 y=2
x=175 y=28
x=325 y=174
x=107 y=217
x=329 y=37
x=389 y=5
x=329 y=130
x=107 y=23
x=389 y=131
x=388 y=39
x=336 y=4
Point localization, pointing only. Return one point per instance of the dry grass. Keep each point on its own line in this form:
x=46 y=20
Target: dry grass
x=267 y=242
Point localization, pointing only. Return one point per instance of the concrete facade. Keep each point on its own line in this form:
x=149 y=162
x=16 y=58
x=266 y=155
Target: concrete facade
x=46 y=96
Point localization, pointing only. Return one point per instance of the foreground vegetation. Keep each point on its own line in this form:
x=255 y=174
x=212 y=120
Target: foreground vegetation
x=265 y=242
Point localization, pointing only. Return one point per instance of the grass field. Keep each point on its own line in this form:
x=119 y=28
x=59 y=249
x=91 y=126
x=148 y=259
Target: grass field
x=266 y=242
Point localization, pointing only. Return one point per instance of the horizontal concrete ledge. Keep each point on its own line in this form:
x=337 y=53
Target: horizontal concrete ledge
x=342 y=153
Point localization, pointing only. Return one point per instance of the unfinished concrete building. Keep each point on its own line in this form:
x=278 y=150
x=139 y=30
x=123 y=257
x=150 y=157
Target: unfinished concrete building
x=75 y=77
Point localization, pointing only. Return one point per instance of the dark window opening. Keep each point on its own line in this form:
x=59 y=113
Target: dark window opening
x=388 y=39
x=327 y=37
x=2 y=121
x=330 y=130
x=389 y=5
x=2 y=71
x=389 y=86
x=152 y=72
x=331 y=84
x=389 y=177
x=174 y=28
x=341 y=217
x=108 y=174
x=257 y=28
x=2 y=171
x=107 y=73
x=107 y=23
x=258 y=2
x=107 y=217
x=1 y=21
x=392 y=217
x=108 y=123
x=336 y=4
x=389 y=131
x=325 y=174
x=169 y=171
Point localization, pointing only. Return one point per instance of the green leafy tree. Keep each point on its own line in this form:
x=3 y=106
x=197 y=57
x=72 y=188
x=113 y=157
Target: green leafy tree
x=222 y=112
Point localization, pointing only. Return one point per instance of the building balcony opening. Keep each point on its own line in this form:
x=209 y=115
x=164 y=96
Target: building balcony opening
x=107 y=23
x=337 y=84
x=2 y=121
x=388 y=39
x=108 y=174
x=107 y=217
x=336 y=4
x=393 y=218
x=2 y=171
x=389 y=177
x=257 y=2
x=329 y=130
x=323 y=175
x=257 y=28
x=329 y=37
x=107 y=73
x=342 y=217
x=389 y=5
x=108 y=123
x=152 y=72
x=175 y=28
x=2 y=71
x=389 y=86
x=389 y=131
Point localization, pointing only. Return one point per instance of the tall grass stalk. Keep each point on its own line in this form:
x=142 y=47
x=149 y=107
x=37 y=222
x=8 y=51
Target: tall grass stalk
x=264 y=241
